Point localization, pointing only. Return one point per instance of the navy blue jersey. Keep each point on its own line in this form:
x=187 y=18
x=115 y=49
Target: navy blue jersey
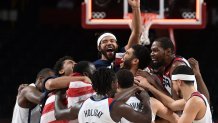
x=108 y=64
x=102 y=63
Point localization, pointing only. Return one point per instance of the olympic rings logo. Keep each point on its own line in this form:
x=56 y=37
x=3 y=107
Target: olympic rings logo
x=188 y=15
x=98 y=15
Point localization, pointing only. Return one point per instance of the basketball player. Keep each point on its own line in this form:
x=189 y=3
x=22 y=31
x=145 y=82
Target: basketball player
x=164 y=61
x=196 y=108
x=77 y=92
x=26 y=109
x=136 y=59
x=107 y=42
x=125 y=81
x=63 y=67
x=100 y=108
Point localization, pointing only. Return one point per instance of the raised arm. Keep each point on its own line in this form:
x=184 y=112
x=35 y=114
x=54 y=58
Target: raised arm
x=173 y=105
x=202 y=88
x=136 y=24
x=62 y=112
x=120 y=109
x=63 y=82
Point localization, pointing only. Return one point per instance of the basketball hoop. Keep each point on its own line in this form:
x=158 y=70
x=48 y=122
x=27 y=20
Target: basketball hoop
x=148 y=21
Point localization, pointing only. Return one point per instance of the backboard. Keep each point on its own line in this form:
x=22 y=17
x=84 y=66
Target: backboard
x=112 y=14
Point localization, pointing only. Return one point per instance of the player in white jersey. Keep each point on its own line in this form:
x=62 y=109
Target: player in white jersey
x=100 y=108
x=26 y=109
x=195 y=107
x=125 y=81
x=207 y=118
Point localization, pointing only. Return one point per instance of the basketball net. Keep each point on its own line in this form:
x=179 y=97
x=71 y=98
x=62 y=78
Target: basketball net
x=148 y=21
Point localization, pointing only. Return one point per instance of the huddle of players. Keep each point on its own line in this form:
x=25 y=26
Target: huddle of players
x=97 y=88
x=88 y=92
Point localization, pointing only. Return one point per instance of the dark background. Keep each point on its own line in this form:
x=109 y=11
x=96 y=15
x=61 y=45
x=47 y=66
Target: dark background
x=41 y=34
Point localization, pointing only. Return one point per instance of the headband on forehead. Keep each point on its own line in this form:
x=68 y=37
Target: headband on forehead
x=104 y=35
x=183 y=77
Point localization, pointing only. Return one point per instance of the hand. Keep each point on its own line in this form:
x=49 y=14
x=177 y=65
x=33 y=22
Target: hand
x=134 y=3
x=87 y=79
x=141 y=95
x=195 y=66
x=142 y=82
x=150 y=78
x=21 y=87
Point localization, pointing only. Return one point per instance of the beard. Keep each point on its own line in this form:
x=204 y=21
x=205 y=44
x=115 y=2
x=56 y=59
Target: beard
x=127 y=64
x=157 y=65
x=109 y=55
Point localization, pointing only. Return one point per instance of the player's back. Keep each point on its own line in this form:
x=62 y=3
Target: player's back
x=136 y=105
x=95 y=111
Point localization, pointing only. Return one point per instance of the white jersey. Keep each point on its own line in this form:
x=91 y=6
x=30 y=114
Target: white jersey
x=135 y=104
x=95 y=111
x=21 y=115
x=35 y=114
x=207 y=117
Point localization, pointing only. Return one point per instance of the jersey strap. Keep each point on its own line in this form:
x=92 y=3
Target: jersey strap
x=198 y=95
x=111 y=102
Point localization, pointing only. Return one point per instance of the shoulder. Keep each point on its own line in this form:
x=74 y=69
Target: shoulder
x=22 y=97
x=192 y=108
x=196 y=99
x=101 y=63
x=117 y=106
x=178 y=60
x=194 y=102
x=27 y=89
x=97 y=61
x=176 y=64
